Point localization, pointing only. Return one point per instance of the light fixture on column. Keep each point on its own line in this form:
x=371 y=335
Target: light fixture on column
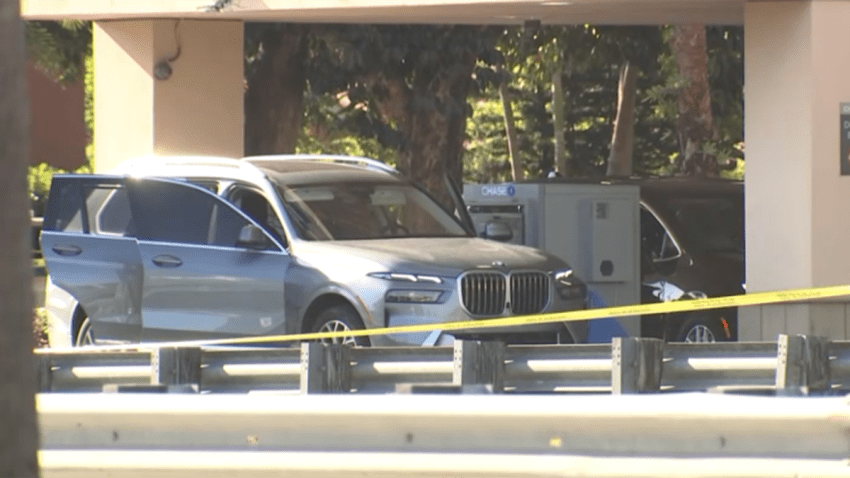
x=162 y=70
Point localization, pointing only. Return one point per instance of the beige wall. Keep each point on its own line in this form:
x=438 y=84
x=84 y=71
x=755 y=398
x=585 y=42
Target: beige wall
x=797 y=71
x=123 y=92
x=778 y=128
x=198 y=110
x=830 y=190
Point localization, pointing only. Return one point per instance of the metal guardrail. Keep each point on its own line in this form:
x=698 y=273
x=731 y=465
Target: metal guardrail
x=794 y=365
x=392 y=435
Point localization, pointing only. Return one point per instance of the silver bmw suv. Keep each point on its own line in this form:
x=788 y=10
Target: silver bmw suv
x=196 y=248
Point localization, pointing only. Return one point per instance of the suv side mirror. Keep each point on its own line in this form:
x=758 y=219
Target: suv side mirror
x=498 y=231
x=252 y=237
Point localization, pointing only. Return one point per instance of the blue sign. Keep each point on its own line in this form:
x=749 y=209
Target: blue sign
x=498 y=190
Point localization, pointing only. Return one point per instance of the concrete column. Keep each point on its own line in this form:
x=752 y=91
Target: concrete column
x=197 y=110
x=797 y=74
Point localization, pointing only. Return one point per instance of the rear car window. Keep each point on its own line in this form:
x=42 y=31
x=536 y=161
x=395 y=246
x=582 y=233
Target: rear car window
x=171 y=212
x=65 y=210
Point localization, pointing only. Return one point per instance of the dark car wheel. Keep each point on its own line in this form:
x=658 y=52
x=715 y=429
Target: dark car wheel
x=700 y=329
x=340 y=318
x=85 y=336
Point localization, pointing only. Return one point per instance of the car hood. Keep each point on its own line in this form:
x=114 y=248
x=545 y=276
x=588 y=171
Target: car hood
x=439 y=256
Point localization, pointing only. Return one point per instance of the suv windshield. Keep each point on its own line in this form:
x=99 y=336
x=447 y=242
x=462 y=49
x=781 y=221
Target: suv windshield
x=365 y=210
x=714 y=224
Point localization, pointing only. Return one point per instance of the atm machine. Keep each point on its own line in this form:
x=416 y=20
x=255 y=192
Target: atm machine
x=594 y=226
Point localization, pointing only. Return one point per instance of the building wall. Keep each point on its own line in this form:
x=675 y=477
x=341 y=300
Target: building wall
x=58 y=133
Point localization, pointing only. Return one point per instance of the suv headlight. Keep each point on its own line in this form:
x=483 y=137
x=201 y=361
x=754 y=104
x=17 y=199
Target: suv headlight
x=395 y=276
x=411 y=296
x=569 y=286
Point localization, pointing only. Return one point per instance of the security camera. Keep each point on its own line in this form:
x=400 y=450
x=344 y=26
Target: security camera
x=162 y=70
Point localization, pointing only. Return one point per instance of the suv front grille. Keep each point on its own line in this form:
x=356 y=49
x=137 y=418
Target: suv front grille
x=492 y=293
x=529 y=292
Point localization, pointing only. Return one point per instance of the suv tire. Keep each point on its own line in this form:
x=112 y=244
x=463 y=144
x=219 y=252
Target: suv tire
x=339 y=318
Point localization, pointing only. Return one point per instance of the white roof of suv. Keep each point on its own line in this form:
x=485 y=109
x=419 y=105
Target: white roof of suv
x=232 y=168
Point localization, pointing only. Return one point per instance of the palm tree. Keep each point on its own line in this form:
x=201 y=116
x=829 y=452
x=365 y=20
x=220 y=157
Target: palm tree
x=694 y=122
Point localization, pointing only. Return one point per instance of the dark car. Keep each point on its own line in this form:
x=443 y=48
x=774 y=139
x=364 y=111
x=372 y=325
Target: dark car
x=692 y=243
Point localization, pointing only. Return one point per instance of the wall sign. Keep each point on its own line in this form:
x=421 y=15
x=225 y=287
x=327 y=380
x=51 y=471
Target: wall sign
x=845 y=139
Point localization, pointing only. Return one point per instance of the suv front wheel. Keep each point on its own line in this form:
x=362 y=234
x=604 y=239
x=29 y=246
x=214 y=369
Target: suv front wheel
x=340 y=318
x=85 y=336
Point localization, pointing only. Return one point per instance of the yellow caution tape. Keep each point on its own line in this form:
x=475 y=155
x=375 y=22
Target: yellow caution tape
x=757 y=298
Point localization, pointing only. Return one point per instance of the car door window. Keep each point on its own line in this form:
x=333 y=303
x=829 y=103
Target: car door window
x=168 y=212
x=65 y=212
x=180 y=213
x=257 y=207
x=108 y=208
x=655 y=240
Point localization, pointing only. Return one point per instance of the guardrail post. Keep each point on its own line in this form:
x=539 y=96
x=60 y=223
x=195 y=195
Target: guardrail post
x=636 y=365
x=479 y=363
x=44 y=372
x=325 y=368
x=802 y=365
x=176 y=366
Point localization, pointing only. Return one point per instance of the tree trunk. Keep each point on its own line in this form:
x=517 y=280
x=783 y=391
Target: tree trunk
x=558 y=122
x=622 y=143
x=274 y=101
x=18 y=426
x=431 y=115
x=510 y=131
x=695 y=122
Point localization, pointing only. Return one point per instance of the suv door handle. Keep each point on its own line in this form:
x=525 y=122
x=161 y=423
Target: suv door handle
x=165 y=260
x=67 y=249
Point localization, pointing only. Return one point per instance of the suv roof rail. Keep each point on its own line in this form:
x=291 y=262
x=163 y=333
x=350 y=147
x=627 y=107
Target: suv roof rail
x=334 y=158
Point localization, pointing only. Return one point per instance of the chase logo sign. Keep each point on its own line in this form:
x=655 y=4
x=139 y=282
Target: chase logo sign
x=498 y=190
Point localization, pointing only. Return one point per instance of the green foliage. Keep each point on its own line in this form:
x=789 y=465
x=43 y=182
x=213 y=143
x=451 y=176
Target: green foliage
x=40 y=327
x=486 y=158
x=726 y=80
x=89 y=92
x=726 y=77
x=330 y=128
x=349 y=67
x=41 y=175
x=63 y=50
x=589 y=58
x=60 y=48
x=360 y=60
x=39 y=178
x=737 y=173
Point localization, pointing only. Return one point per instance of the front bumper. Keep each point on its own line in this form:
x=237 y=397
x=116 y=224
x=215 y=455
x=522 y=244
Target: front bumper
x=399 y=315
